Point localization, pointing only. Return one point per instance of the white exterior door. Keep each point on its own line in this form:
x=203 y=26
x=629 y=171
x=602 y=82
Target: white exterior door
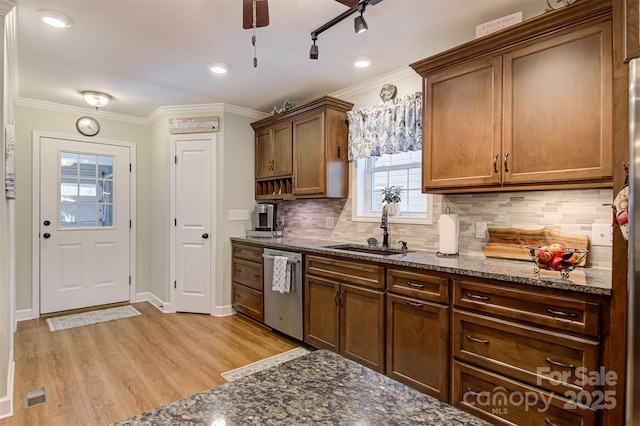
x=193 y=231
x=84 y=224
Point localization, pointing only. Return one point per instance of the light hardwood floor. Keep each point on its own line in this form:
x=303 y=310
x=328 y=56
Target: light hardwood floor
x=107 y=372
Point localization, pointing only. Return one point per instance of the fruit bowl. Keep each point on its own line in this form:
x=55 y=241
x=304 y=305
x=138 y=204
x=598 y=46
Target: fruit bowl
x=556 y=257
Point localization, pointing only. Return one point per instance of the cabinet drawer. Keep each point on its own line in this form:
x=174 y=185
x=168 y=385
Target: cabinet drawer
x=346 y=271
x=412 y=283
x=248 y=301
x=561 y=313
x=247 y=273
x=503 y=401
x=243 y=251
x=525 y=353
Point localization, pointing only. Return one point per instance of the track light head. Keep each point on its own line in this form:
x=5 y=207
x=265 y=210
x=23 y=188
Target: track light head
x=359 y=24
x=313 y=53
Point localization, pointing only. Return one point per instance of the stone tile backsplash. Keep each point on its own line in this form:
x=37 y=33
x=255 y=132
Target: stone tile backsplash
x=572 y=211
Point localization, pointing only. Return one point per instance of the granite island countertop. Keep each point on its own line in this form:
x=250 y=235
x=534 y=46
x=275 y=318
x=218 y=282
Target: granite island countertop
x=318 y=388
x=585 y=280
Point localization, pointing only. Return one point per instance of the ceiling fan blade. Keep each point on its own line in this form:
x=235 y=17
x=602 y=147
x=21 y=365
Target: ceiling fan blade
x=349 y=3
x=262 y=13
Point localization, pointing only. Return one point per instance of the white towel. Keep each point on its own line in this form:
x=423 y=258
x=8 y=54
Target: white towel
x=281 y=274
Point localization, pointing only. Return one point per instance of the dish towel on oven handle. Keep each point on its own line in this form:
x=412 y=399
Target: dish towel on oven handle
x=281 y=274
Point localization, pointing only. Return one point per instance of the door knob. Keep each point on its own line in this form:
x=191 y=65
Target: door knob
x=205 y=235
x=46 y=235
x=46 y=223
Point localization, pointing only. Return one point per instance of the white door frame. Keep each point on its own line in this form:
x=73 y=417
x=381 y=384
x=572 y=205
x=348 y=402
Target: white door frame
x=35 y=208
x=214 y=228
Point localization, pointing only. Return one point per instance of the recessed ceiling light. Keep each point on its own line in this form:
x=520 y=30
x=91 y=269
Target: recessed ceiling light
x=219 y=67
x=54 y=18
x=361 y=61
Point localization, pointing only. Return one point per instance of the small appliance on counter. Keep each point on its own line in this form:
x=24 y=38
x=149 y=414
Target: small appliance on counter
x=263 y=221
x=448 y=232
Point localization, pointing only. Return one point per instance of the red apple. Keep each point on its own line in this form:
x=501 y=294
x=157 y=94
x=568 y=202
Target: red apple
x=557 y=249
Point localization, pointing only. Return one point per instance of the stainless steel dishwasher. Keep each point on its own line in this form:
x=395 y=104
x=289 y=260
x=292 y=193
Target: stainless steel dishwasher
x=283 y=311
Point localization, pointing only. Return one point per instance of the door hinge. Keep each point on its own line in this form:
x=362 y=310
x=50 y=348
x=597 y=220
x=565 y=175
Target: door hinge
x=130 y=167
x=175 y=159
x=175 y=284
x=129 y=279
x=175 y=222
x=129 y=224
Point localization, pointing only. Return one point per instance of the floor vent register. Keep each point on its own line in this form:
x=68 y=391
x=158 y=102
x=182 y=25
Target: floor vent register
x=35 y=396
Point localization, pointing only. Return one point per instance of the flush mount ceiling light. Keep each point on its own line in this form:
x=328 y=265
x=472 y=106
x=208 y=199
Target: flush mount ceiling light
x=54 y=18
x=219 y=67
x=96 y=99
x=360 y=24
x=361 y=61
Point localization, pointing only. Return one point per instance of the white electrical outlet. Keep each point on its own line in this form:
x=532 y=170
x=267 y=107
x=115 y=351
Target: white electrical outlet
x=329 y=222
x=238 y=214
x=601 y=234
x=481 y=229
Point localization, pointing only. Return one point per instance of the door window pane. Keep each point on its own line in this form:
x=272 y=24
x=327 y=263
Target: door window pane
x=86 y=190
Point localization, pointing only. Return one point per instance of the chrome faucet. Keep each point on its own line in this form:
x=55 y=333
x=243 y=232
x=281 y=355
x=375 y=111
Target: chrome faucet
x=384 y=224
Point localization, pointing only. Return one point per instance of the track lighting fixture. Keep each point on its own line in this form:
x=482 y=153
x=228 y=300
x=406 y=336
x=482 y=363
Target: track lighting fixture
x=313 y=53
x=360 y=25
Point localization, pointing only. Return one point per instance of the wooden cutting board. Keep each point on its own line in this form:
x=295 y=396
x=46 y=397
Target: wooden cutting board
x=510 y=243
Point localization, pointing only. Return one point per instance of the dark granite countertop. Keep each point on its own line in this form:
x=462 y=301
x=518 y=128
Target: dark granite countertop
x=586 y=280
x=318 y=388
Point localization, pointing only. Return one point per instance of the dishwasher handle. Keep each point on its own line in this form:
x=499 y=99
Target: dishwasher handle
x=289 y=260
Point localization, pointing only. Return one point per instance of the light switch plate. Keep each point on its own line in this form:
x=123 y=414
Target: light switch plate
x=238 y=214
x=481 y=229
x=601 y=234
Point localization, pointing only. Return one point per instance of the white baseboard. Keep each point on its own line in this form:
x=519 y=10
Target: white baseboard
x=223 y=311
x=24 y=315
x=154 y=300
x=6 y=403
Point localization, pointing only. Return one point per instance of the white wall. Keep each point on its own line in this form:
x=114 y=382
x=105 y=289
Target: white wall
x=29 y=119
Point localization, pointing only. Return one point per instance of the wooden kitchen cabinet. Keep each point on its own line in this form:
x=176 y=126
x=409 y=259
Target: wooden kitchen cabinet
x=529 y=107
x=302 y=152
x=343 y=311
x=274 y=152
x=631 y=29
x=247 y=280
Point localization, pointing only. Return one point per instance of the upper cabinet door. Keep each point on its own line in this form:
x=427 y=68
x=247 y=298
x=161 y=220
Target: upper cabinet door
x=558 y=108
x=631 y=29
x=309 y=162
x=264 y=153
x=462 y=125
x=282 y=150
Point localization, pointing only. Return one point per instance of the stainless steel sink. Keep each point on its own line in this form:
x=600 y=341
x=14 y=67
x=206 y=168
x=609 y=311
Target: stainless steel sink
x=384 y=251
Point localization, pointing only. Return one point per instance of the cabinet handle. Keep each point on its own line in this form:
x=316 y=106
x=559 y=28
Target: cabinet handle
x=475 y=296
x=559 y=364
x=256 y=276
x=471 y=391
x=549 y=422
x=415 y=285
x=341 y=297
x=339 y=153
x=415 y=304
x=562 y=314
x=495 y=163
x=473 y=339
x=506 y=155
x=335 y=299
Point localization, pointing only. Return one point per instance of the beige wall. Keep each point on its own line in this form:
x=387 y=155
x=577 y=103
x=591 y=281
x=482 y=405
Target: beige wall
x=30 y=119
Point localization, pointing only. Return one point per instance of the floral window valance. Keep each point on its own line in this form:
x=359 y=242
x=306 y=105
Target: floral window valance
x=392 y=127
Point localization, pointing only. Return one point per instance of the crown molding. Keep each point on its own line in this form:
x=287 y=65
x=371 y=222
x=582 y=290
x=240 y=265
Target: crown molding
x=216 y=108
x=52 y=106
x=6 y=6
x=246 y=112
x=375 y=83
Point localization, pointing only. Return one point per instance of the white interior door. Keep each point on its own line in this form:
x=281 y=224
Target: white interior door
x=193 y=231
x=84 y=224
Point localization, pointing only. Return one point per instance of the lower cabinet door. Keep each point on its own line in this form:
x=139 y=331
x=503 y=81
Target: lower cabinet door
x=504 y=401
x=362 y=326
x=417 y=345
x=248 y=301
x=321 y=327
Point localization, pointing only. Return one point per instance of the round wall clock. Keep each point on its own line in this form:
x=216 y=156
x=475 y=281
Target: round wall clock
x=88 y=126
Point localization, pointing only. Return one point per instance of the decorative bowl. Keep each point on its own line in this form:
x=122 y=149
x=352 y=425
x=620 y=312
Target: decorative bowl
x=556 y=257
